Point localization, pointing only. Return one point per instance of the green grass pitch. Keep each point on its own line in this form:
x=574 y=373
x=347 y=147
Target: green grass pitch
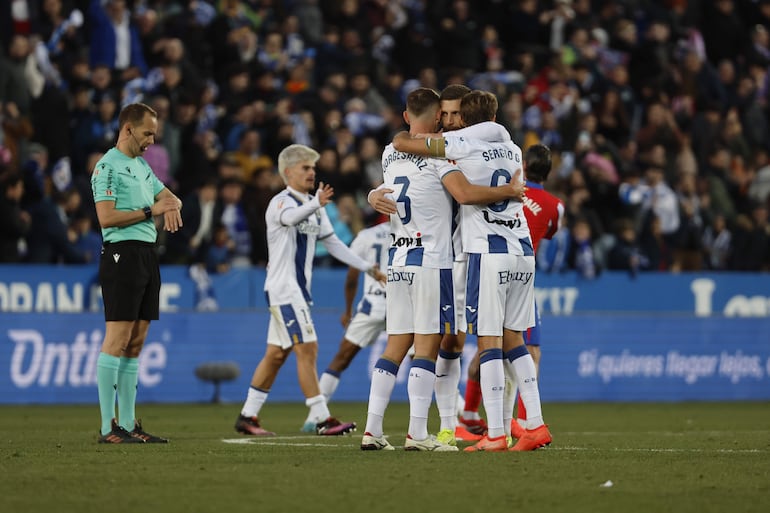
x=680 y=457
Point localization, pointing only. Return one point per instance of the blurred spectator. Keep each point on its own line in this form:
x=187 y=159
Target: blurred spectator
x=654 y=197
x=234 y=219
x=256 y=197
x=231 y=37
x=717 y=241
x=220 y=251
x=759 y=190
x=20 y=84
x=101 y=127
x=750 y=245
x=582 y=258
x=371 y=161
x=114 y=39
x=552 y=253
x=200 y=214
x=50 y=240
x=723 y=31
x=249 y=154
x=689 y=249
x=661 y=129
x=653 y=243
x=341 y=229
x=87 y=241
x=16 y=222
x=625 y=254
x=613 y=122
x=459 y=37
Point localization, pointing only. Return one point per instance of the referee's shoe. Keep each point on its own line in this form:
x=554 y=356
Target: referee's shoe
x=118 y=435
x=142 y=435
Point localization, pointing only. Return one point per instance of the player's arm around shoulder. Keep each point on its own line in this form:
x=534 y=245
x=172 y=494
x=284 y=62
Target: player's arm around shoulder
x=467 y=193
x=419 y=145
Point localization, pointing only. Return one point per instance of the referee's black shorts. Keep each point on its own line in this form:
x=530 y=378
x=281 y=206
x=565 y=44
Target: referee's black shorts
x=129 y=273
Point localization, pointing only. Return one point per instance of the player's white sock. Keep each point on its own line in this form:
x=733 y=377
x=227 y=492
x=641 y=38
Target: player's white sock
x=492 y=389
x=447 y=378
x=522 y=367
x=254 y=401
x=328 y=384
x=460 y=404
x=383 y=381
x=319 y=411
x=509 y=400
x=422 y=379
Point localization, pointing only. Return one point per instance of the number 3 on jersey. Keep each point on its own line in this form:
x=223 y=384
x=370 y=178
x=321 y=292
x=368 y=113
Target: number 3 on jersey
x=403 y=199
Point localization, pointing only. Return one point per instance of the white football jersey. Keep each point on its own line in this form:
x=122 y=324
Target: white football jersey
x=372 y=245
x=497 y=227
x=291 y=249
x=421 y=232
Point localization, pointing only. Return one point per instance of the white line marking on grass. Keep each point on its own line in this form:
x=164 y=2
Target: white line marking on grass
x=272 y=441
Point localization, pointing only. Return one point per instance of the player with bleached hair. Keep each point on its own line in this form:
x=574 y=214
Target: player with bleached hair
x=296 y=220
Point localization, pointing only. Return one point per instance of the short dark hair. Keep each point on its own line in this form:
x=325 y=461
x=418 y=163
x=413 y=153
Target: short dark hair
x=454 y=92
x=420 y=100
x=134 y=113
x=537 y=160
x=478 y=106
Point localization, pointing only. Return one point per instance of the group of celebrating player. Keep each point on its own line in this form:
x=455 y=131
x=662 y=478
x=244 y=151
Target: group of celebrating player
x=450 y=272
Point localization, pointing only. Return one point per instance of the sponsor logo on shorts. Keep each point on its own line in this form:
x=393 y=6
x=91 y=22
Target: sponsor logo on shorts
x=396 y=276
x=504 y=277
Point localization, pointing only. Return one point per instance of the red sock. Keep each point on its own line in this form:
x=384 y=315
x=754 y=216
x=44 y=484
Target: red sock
x=522 y=411
x=472 y=395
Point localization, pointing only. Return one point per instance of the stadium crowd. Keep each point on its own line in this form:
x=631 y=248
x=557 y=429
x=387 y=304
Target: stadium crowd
x=657 y=113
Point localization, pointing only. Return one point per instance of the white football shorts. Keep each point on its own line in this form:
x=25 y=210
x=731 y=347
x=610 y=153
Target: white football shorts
x=291 y=324
x=500 y=293
x=365 y=327
x=420 y=300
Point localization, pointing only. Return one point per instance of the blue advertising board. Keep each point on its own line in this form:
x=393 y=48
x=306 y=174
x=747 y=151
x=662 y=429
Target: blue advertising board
x=73 y=289
x=50 y=358
x=656 y=337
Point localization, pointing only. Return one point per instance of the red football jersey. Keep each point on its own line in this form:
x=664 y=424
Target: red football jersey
x=543 y=211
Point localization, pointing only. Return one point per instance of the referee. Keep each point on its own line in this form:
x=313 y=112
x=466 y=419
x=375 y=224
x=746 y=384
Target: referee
x=128 y=196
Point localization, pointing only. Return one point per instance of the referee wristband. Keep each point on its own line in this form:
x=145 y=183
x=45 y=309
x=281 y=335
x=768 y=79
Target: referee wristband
x=147 y=212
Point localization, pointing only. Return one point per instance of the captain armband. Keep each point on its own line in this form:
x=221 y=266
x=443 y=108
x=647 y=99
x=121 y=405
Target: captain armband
x=436 y=147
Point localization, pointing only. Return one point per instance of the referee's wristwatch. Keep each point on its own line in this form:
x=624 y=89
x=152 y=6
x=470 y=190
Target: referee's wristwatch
x=147 y=212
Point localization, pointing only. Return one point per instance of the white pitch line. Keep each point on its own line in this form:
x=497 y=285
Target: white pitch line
x=273 y=441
